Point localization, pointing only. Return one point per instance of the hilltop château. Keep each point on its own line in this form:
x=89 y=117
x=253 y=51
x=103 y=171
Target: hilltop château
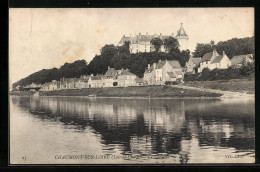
x=141 y=43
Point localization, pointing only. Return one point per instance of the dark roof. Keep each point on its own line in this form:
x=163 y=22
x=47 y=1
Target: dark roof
x=126 y=72
x=98 y=77
x=111 y=72
x=160 y=64
x=207 y=57
x=124 y=39
x=217 y=59
x=181 y=32
x=175 y=64
x=142 y=38
x=171 y=74
x=240 y=59
x=195 y=60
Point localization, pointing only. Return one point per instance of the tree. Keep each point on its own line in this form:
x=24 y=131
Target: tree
x=171 y=44
x=157 y=43
x=124 y=48
x=202 y=49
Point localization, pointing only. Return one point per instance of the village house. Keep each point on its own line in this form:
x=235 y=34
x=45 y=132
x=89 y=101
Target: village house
x=141 y=43
x=212 y=61
x=110 y=78
x=163 y=71
x=126 y=78
x=82 y=82
x=189 y=66
x=95 y=81
x=139 y=81
x=238 y=61
x=53 y=85
x=45 y=87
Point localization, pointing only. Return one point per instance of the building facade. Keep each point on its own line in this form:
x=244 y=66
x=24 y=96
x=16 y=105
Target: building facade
x=141 y=43
x=212 y=61
x=162 y=71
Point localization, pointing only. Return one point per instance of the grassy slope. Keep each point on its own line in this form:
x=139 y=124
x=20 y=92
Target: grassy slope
x=153 y=91
x=235 y=85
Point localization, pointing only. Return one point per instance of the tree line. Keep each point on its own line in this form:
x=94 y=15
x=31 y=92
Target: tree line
x=231 y=47
x=120 y=57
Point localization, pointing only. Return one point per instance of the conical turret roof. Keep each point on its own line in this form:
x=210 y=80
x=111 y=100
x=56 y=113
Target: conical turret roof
x=181 y=32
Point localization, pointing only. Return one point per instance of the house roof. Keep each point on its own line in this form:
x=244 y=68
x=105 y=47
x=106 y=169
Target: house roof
x=181 y=32
x=171 y=74
x=240 y=59
x=160 y=64
x=126 y=72
x=98 y=77
x=175 y=64
x=142 y=38
x=207 y=57
x=217 y=59
x=111 y=72
x=196 y=60
x=124 y=39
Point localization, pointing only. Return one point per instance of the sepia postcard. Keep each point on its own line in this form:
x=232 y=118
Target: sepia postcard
x=131 y=86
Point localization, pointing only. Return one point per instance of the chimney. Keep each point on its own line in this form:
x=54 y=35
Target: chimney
x=139 y=34
x=172 y=34
x=154 y=65
x=149 y=66
x=160 y=34
x=146 y=33
x=224 y=53
x=124 y=36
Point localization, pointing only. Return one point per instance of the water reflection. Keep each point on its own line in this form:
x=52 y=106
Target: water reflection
x=181 y=129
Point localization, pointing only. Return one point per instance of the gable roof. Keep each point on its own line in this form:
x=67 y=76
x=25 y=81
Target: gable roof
x=240 y=59
x=124 y=39
x=217 y=59
x=97 y=77
x=125 y=72
x=209 y=56
x=175 y=64
x=171 y=74
x=160 y=64
x=111 y=72
x=196 y=60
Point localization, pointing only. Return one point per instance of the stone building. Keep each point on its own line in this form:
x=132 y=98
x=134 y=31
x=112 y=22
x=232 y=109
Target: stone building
x=141 y=43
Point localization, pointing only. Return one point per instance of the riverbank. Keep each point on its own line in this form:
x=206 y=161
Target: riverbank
x=246 y=86
x=150 y=91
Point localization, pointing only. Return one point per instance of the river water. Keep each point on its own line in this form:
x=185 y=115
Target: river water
x=80 y=130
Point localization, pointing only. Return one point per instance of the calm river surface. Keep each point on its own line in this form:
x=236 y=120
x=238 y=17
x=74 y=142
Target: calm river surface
x=78 y=130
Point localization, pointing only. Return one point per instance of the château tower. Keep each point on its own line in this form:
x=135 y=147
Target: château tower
x=183 y=38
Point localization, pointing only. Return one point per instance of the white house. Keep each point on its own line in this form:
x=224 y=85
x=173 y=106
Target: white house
x=126 y=78
x=189 y=66
x=212 y=61
x=141 y=43
x=110 y=77
x=163 y=71
x=238 y=61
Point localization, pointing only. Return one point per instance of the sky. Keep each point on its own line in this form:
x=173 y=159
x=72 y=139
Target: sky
x=46 y=38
